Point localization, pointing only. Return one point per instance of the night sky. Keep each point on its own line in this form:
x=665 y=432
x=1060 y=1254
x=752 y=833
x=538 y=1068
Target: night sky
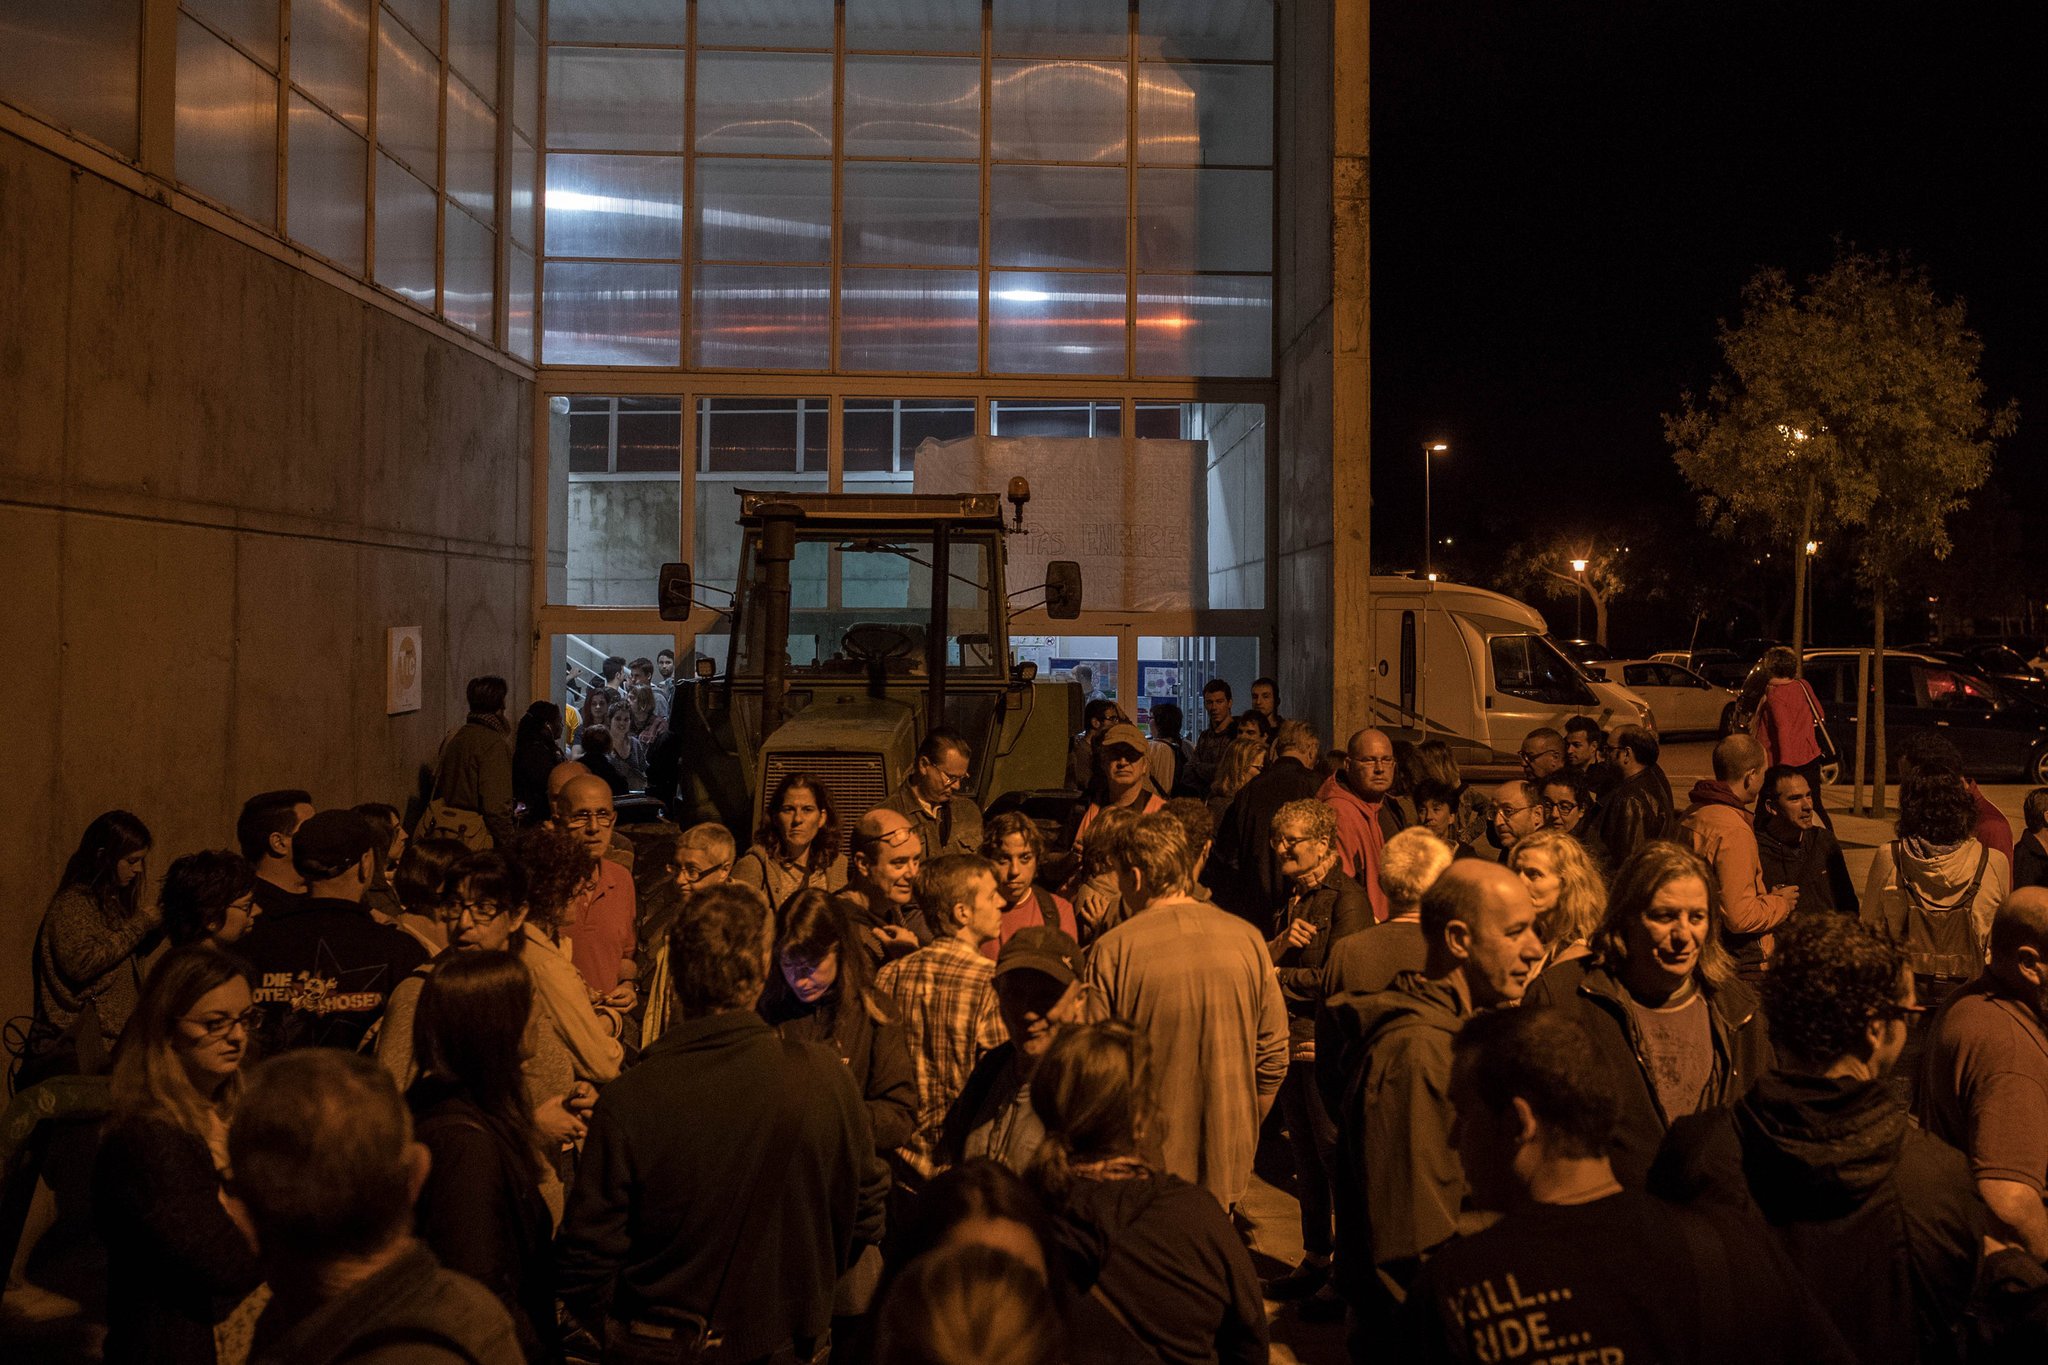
x=1566 y=197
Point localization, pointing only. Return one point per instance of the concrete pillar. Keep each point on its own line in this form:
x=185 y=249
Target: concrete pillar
x=1321 y=492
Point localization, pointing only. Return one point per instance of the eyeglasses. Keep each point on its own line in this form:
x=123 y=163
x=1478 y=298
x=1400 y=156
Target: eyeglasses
x=595 y=819
x=1561 y=807
x=1291 y=840
x=214 y=1029
x=479 y=912
x=690 y=876
x=1508 y=812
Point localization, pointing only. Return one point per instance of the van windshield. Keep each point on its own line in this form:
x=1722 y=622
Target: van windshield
x=1530 y=667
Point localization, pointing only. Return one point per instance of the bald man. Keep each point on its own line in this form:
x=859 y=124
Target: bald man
x=1984 y=1079
x=1720 y=823
x=617 y=847
x=1401 y=1188
x=602 y=943
x=881 y=875
x=1361 y=792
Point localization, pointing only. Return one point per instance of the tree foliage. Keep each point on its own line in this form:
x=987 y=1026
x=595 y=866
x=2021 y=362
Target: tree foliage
x=1544 y=567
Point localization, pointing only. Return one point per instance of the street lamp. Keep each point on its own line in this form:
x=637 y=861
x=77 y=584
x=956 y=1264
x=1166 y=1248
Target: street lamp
x=1812 y=549
x=1579 y=601
x=1429 y=448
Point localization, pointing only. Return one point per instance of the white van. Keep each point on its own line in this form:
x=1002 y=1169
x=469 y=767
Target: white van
x=1477 y=669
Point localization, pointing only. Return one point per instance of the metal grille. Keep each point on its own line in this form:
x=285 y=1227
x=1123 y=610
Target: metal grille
x=857 y=781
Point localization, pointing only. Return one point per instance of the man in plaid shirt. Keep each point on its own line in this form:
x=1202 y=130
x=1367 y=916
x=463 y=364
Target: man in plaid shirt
x=946 y=994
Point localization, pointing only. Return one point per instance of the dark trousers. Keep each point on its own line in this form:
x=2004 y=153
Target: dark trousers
x=1312 y=1137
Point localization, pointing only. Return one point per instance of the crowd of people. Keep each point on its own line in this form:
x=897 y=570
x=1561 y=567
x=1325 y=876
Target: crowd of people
x=1565 y=1070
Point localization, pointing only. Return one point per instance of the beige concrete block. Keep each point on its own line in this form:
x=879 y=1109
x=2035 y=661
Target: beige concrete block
x=31 y=635
x=147 y=679
x=321 y=462
x=35 y=254
x=296 y=714
x=487 y=630
x=398 y=588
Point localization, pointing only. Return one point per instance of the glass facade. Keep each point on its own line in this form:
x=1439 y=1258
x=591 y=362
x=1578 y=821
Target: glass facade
x=919 y=187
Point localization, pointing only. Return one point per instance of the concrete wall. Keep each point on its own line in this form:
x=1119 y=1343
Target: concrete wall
x=221 y=481
x=621 y=531
x=1321 y=494
x=1236 y=504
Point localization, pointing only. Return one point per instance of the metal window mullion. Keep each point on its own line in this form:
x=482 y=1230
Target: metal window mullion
x=441 y=177
x=981 y=306
x=1130 y=210
x=501 y=180
x=835 y=240
x=611 y=439
x=540 y=187
x=156 y=106
x=370 y=131
x=284 y=99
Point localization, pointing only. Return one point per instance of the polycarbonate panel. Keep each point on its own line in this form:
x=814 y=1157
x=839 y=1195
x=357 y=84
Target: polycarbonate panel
x=1216 y=115
x=615 y=206
x=467 y=288
x=325 y=167
x=615 y=100
x=913 y=106
x=1205 y=220
x=761 y=317
x=423 y=17
x=523 y=212
x=914 y=25
x=764 y=211
x=331 y=56
x=251 y=23
x=75 y=65
x=922 y=320
x=900 y=214
x=1055 y=324
x=600 y=313
x=1060 y=28
x=527 y=12
x=1211 y=326
x=1239 y=30
x=1057 y=111
x=764 y=104
x=759 y=23
x=519 y=303
x=408 y=101
x=405 y=233
x=618 y=21
x=473 y=43
x=226 y=125
x=472 y=151
x=1064 y=217
x=525 y=81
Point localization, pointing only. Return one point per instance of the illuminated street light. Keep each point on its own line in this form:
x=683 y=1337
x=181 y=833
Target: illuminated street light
x=1429 y=448
x=1579 y=601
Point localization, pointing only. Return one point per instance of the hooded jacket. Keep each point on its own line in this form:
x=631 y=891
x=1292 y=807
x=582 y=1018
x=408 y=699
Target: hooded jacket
x=1596 y=997
x=412 y=1310
x=1942 y=879
x=1358 y=845
x=1882 y=1219
x=1399 y=1186
x=1718 y=823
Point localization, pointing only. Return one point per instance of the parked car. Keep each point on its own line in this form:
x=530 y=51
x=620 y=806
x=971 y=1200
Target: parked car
x=1584 y=651
x=2000 y=732
x=1998 y=661
x=1684 y=702
x=1722 y=667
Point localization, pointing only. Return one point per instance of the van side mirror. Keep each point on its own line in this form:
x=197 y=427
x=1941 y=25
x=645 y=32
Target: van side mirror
x=1063 y=589
x=673 y=592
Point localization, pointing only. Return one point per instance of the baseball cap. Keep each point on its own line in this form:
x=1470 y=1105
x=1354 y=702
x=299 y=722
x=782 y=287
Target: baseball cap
x=1042 y=948
x=1126 y=734
x=330 y=843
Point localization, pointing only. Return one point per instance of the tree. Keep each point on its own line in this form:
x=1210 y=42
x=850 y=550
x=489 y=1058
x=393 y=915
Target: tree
x=1546 y=567
x=1853 y=403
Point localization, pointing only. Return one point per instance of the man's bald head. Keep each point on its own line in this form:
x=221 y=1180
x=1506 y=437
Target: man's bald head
x=584 y=809
x=1736 y=757
x=1477 y=920
x=886 y=854
x=1369 y=764
x=2022 y=922
x=878 y=824
x=559 y=775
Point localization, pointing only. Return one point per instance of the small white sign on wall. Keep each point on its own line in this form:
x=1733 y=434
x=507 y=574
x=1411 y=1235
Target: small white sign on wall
x=403 y=670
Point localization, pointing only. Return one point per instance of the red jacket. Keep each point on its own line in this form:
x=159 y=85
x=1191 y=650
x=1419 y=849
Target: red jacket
x=1784 y=722
x=1362 y=830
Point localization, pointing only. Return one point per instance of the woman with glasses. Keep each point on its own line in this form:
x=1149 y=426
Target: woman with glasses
x=208 y=897
x=178 y=1263
x=1566 y=888
x=798 y=845
x=88 y=951
x=481 y=1210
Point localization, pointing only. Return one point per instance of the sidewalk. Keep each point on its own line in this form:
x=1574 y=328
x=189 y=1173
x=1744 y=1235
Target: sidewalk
x=1862 y=835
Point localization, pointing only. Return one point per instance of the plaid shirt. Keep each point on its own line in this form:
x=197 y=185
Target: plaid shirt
x=946 y=994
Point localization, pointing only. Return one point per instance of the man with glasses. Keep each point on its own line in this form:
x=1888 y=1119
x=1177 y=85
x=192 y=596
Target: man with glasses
x=704 y=857
x=932 y=797
x=1542 y=753
x=324 y=967
x=881 y=879
x=602 y=945
x=1517 y=813
x=1368 y=813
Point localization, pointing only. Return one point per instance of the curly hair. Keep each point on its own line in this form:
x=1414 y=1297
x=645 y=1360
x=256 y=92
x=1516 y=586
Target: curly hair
x=719 y=949
x=1830 y=976
x=557 y=865
x=1581 y=890
x=1637 y=881
x=1936 y=808
x=1317 y=815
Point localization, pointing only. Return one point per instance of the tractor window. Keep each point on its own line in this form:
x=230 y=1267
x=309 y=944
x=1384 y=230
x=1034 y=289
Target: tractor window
x=854 y=598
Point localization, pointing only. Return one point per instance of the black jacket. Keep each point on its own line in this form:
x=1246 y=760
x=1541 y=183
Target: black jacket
x=1813 y=863
x=176 y=1263
x=413 y=1310
x=324 y=971
x=481 y=1212
x=2029 y=863
x=876 y=1050
x=1742 y=1053
x=1637 y=811
x=1882 y=1218
x=671 y=1186
x=1338 y=908
x=1243 y=871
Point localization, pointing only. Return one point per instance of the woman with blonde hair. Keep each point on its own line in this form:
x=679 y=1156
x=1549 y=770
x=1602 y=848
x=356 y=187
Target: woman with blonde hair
x=1660 y=1000
x=1240 y=763
x=1167 y=1259
x=1566 y=888
x=178 y=1263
